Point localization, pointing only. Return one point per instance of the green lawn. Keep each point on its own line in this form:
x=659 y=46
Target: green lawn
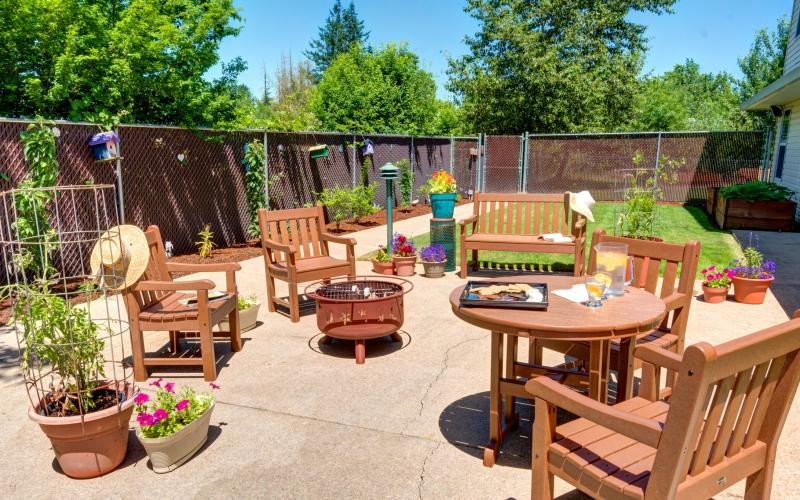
x=677 y=224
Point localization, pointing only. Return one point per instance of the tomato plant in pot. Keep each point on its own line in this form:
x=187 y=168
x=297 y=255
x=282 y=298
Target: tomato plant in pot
x=404 y=255
x=173 y=425
x=382 y=262
x=84 y=414
x=443 y=192
x=433 y=260
x=716 y=284
x=752 y=276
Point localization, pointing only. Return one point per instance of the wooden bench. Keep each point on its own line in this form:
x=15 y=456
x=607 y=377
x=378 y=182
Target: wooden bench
x=516 y=223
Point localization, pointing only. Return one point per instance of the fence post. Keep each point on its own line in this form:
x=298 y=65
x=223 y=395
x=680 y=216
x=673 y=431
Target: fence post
x=479 y=166
x=118 y=181
x=266 y=170
x=452 y=153
x=353 y=162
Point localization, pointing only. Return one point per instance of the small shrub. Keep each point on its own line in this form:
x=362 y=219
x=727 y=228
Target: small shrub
x=756 y=191
x=348 y=203
x=366 y=166
x=642 y=193
x=406 y=182
x=205 y=244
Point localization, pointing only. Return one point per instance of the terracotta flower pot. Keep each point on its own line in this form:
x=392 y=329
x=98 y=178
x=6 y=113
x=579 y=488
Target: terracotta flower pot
x=93 y=444
x=170 y=452
x=750 y=291
x=247 y=319
x=434 y=269
x=386 y=268
x=404 y=266
x=714 y=295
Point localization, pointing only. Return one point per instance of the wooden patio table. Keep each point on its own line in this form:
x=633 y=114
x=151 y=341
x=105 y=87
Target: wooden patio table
x=620 y=318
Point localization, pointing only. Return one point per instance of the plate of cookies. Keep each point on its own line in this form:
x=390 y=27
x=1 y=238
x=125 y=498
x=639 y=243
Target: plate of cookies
x=505 y=294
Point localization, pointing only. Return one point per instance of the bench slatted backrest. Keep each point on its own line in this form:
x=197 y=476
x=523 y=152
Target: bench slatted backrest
x=523 y=214
x=300 y=227
x=156 y=271
x=727 y=411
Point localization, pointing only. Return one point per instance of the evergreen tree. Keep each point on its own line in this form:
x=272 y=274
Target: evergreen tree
x=341 y=30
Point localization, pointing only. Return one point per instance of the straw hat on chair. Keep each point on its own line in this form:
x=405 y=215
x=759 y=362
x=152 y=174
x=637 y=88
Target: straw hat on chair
x=120 y=257
x=582 y=203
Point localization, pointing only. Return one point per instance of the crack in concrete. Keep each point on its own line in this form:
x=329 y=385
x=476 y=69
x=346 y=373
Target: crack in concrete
x=421 y=482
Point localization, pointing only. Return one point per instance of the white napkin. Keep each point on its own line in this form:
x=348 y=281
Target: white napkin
x=556 y=238
x=576 y=294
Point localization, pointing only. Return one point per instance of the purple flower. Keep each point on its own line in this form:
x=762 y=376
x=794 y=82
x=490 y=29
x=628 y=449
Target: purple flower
x=159 y=415
x=156 y=383
x=145 y=419
x=213 y=385
x=182 y=404
x=169 y=387
x=433 y=253
x=141 y=399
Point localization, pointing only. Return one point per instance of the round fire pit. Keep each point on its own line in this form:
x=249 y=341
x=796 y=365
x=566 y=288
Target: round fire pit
x=359 y=308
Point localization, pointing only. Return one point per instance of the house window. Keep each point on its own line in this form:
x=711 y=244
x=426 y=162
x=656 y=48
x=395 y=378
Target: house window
x=797 y=29
x=782 y=140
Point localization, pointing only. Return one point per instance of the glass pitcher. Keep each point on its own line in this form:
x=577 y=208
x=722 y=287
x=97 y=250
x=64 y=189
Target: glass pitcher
x=612 y=259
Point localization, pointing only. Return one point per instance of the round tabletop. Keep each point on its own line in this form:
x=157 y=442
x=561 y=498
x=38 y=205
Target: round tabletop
x=635 y=312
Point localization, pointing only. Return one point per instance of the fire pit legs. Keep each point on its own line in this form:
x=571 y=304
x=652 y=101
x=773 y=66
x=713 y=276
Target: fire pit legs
x=361 y=351
x=396 y=337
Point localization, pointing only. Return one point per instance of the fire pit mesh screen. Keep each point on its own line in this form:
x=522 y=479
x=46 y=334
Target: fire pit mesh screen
x=358 y=290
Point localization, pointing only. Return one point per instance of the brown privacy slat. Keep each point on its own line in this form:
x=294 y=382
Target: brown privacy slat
x=652 y=275
x=764 y=399
x=518 y=218
x=726 y=429
x=754 y=389
x=483 y=219
x=313 y=229
x=537 y=212
x=709 y=432
x=546 y=218
x=668 y=282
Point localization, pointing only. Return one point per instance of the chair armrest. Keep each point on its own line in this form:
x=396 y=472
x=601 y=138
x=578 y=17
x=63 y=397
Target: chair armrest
x=471 y=219
x=338 y=239
x=633 y=426
x=579 y=227
x=676 y=300
x=172 y=286
x=179 y=267
x=659 y=357
x=278 y=247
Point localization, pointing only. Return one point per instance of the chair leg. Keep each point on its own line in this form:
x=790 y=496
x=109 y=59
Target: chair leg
x=294 y=303
x=137 y=348
x=207 y=351
x=463 y=261
x=475 y=264
x=759 y=485
x=173 y=342
x=542 y=480
x=235 y=330
x=535 y=351
x=270 y=293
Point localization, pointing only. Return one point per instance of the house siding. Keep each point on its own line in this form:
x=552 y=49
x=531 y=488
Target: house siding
x=793 y=47
x=791 y=163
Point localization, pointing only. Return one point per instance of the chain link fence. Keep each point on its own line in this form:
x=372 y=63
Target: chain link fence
x=183 y=179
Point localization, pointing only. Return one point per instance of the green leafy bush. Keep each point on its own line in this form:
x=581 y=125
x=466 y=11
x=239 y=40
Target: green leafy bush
x=254 y=178
x=642 y=192
x=348 y=203
x=756 y=191
x=406 y=182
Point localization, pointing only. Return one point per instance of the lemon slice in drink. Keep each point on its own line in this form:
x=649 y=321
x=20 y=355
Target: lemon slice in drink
x=603 y=278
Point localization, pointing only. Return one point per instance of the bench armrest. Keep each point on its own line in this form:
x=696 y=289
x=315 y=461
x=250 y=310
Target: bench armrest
x=641 y=429
x=676 y=300
x=471 y=219
x=278 y=247
x=658 y=357
x=220 y=267
x=172 y=286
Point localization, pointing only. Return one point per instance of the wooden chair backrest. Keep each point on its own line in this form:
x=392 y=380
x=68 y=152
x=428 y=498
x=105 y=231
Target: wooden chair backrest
x=523 y=214
x=156 y=271
x=301 y=227
x=679 y=262
x=727 y=399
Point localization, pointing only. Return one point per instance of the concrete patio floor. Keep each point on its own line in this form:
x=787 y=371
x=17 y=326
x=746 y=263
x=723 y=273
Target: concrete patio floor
x=295 y=419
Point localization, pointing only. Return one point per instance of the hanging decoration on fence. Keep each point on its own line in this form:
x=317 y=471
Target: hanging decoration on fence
x=104 y=146
x=318 y=151
x=368 y=148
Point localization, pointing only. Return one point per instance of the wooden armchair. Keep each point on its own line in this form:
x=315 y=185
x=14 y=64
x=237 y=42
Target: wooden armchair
x=153 y=305
x=296 y=251
x=676 y=290
x=720 y=425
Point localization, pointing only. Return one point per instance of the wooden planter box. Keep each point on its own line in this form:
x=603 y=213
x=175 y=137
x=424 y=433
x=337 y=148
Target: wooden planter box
x=743 y=214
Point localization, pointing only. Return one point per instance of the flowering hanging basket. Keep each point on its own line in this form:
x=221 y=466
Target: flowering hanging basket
x=170 y=452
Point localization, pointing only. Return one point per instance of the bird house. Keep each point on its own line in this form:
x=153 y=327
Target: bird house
x=318 y=151
x=104 y=145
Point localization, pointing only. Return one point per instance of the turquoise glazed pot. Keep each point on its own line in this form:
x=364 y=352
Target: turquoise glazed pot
x=443 y=205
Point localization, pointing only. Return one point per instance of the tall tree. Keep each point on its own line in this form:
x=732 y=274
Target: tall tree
x=762 y=65
x=341 y=30
x=70 y=58
x=551 y=66
x=379 y=91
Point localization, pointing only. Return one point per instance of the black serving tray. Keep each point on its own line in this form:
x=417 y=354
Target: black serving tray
x=471 y=299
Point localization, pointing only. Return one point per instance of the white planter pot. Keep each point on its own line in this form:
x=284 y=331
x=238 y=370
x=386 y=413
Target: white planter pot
x=168 y=453
x=247 y=319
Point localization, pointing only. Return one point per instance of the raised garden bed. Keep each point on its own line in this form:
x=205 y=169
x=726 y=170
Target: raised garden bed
x=744 y=214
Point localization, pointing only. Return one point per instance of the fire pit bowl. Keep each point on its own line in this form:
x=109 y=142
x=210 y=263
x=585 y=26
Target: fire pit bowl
x=359 y=308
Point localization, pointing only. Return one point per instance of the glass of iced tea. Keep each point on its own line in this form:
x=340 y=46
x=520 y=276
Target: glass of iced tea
x=595 y=288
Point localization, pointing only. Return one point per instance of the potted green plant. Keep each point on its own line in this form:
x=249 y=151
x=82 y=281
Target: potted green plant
x=174 y=425
x=382 y=262
x=248 y=314
x=716 y=284
x=404 y=255
x=433 y=260
x=443 y=192
x=84 y=415
x=752 y=276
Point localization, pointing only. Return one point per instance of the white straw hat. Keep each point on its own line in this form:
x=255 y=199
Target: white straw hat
x=582 y=203
x=120 y=256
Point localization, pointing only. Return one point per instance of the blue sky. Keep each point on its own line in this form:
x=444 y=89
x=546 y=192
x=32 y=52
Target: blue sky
x=713 y=32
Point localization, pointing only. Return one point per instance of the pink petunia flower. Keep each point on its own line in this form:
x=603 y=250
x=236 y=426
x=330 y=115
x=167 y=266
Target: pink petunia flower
x=182 y=404
x=156 y=383
x=213 y=385
x=169 y=387
x=145 y=419
x=159 y=415
x=711 y=268
x=141 y=399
